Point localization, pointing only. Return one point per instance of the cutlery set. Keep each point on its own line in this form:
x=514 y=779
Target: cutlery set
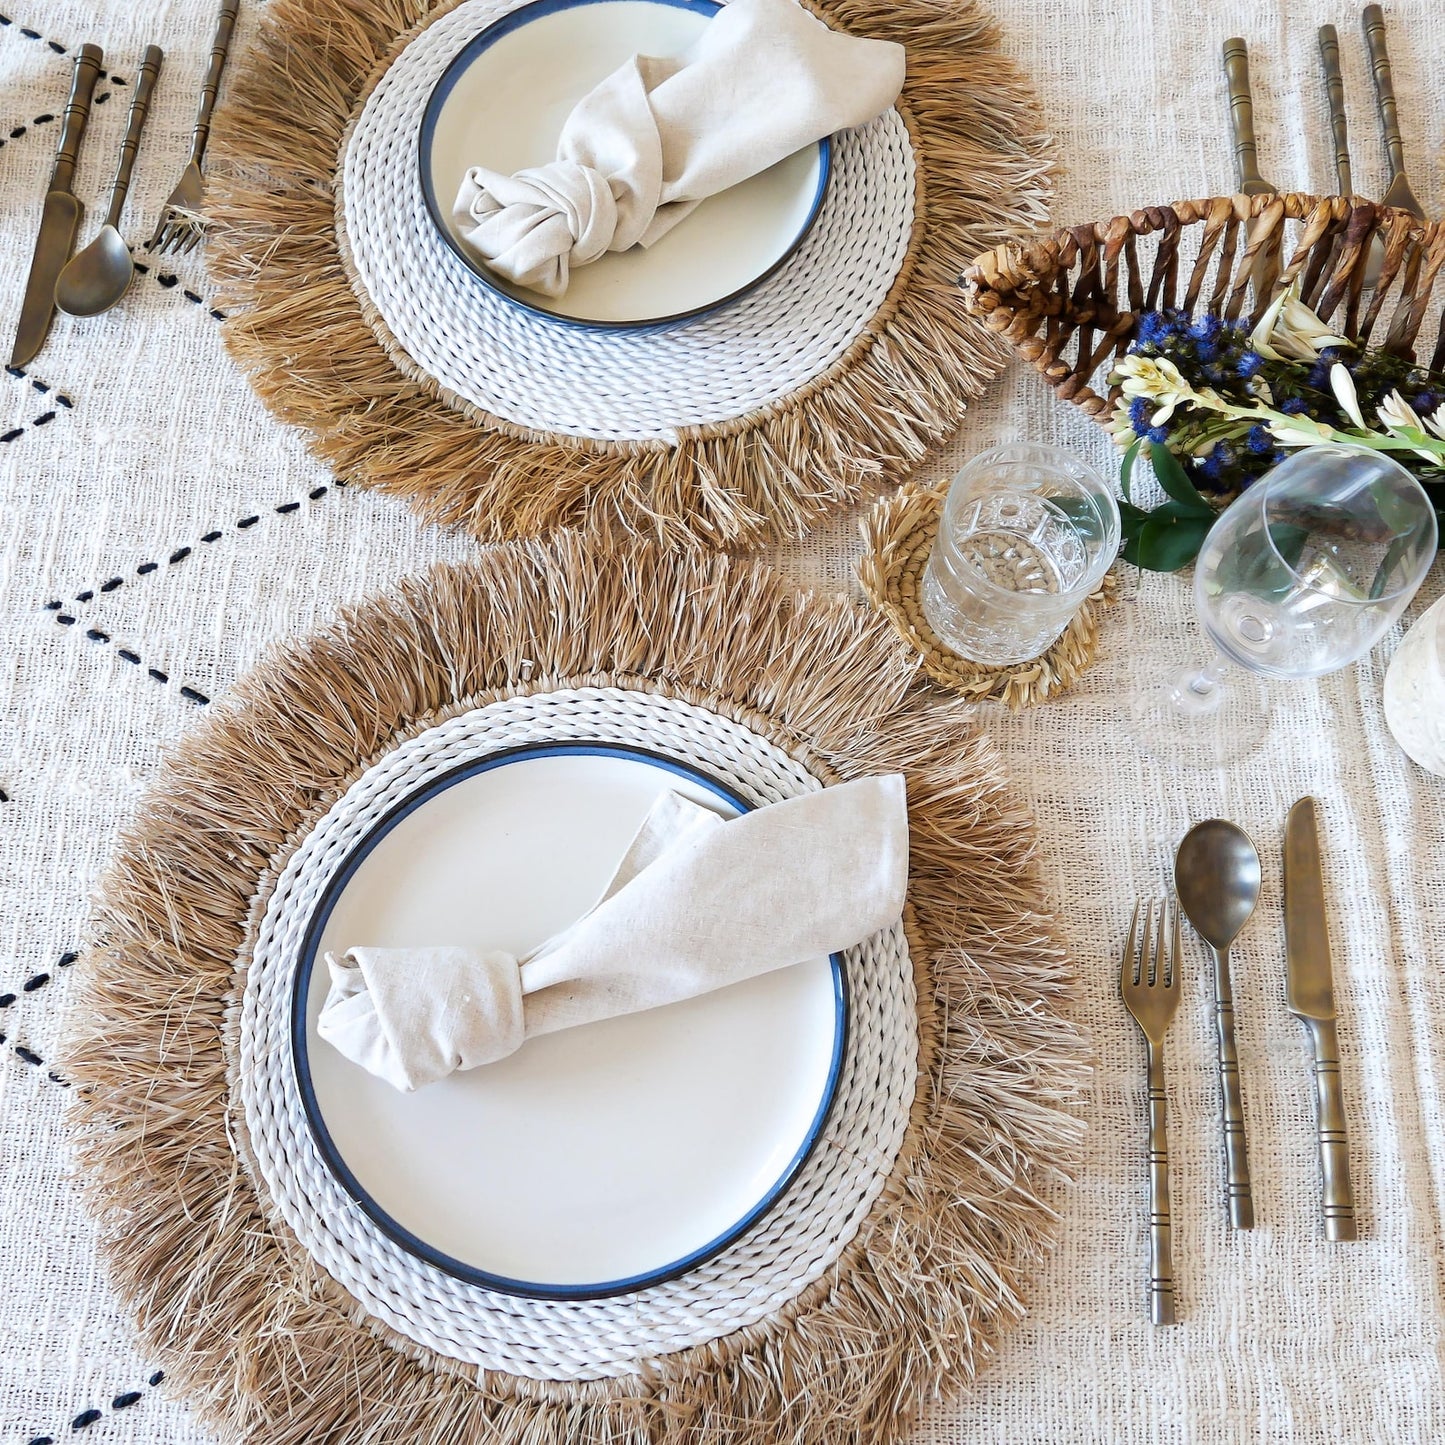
x=1241 y=111
x=97 y=277
x=1217 y=884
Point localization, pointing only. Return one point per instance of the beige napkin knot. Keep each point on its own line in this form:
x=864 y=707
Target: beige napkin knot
x=696 y=904
x=765 y=79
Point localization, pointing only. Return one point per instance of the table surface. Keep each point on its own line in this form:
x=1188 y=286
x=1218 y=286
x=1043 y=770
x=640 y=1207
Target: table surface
x=182 y=531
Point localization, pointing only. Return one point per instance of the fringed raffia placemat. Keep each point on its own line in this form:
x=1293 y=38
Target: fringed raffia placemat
x=263 y=1341
x=898 y=535
x=834 y=380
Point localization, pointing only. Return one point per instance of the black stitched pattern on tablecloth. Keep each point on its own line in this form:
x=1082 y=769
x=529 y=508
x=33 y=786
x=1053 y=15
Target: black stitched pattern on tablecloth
x=87 y=1418
x=179 y=555
x=55 y=403
x=130 y=655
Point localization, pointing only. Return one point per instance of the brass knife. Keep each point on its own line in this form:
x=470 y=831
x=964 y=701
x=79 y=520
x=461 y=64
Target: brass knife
x=1310 y=993
x=60 y=217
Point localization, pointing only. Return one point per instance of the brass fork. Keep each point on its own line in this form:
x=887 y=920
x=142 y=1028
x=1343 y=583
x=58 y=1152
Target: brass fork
x=181 y=223
x=1149 y=982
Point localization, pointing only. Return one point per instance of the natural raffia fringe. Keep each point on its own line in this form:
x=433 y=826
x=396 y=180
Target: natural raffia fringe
x=898 y=535
x=312 y=347
x=264 y=1344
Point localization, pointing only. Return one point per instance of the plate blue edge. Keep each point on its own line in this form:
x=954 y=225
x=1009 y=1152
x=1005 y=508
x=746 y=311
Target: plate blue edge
x=524 y=15
x=301 y=987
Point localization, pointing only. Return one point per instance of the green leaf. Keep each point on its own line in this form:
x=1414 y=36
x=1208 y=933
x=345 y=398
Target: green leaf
x=1175 y=481
x=1126 y=471
x=1132 y=516
x=1167 y=543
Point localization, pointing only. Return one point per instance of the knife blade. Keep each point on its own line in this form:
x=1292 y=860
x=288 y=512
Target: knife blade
x=1310 y=996
x=60 y=216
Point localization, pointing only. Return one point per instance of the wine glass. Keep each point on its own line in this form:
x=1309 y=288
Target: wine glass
x=1300 y=576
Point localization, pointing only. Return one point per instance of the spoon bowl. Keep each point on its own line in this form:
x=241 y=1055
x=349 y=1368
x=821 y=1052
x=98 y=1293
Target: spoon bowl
x=1217 y=877
x=95 y=278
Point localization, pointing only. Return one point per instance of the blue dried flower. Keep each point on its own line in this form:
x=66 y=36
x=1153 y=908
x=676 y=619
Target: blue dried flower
x=1259 y=439
x=1207 y=328
x=1425 y=403
x=1154 y=328
x=1293 y=405
x=1159 y=435
x=1217 y=460
x=1249 y=364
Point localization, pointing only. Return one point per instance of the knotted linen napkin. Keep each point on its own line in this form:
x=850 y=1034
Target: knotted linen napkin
x=697 y=903
x=660 y=134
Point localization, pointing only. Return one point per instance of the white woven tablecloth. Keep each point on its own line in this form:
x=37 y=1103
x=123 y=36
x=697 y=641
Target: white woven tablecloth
x=182 y=531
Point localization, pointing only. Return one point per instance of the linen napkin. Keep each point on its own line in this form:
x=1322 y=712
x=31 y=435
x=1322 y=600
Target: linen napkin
x=661 y=134
x=696 y=903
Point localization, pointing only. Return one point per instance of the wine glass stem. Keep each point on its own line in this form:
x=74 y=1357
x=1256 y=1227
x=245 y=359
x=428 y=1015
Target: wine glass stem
x=1198 y=689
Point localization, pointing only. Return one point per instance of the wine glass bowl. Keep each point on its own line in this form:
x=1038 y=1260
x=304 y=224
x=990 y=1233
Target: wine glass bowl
x=1300 y=576
x=1305 y=571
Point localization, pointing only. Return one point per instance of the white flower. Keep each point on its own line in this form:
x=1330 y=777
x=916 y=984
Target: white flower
x=1290 y=331
x=1157 y=379
x=1299 y=431
x=1343 y=385
x=1397 y=413
x=1402 y=420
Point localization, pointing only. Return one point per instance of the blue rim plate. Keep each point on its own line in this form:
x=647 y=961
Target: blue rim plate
x=699 y=265
x=328 y=1083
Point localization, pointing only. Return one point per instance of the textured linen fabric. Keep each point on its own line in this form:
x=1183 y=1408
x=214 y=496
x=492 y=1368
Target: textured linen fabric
x=660 y=134
x=183 y=532
x=695 y=904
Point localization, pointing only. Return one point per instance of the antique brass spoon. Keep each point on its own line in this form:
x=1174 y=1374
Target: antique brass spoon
x=95 y=278
x=1216 y=876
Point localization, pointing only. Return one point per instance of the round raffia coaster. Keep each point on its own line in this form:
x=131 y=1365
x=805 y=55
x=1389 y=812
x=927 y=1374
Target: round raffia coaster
x=264 y=1334
x=898 y=535
x=832 y=381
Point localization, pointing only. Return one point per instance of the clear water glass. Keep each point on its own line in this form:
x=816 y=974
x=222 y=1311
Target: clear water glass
x=1027 y=532
x=1300 y=576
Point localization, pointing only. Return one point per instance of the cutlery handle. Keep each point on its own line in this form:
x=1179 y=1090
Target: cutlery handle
x=77 y=113
x=1161 y=1238
x=220 y=46
x=1236 y=1153
x=1335 y=93
x=1384 y=87
x=1339 y=1197
x=1241 y=112
x=150 y=68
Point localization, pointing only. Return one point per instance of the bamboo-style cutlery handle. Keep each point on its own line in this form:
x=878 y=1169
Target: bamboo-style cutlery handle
x=140 y=104
x=1335 y=94
x=1236 y=1151
x=77 y=114
x=1339 y=1194
x=210 y=87
x=1374 y=20
x=1161 y=1236
x=1241 y=116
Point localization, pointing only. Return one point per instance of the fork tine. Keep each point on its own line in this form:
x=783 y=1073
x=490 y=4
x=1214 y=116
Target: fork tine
x=1161 y=959
x=1176 y=950
x=194 y=236
x=1129 y=972
x=1147 y=955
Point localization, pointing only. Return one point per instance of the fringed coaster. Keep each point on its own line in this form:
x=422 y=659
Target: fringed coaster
x=271 y=1340
x=898 y=535
x=828 y=383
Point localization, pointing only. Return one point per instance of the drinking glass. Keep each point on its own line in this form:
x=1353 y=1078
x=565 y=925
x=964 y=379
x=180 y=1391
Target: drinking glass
x=1026 y=533
x=1300 y=576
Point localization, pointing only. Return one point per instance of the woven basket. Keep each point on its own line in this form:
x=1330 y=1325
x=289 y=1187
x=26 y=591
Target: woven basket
x=1071 y=303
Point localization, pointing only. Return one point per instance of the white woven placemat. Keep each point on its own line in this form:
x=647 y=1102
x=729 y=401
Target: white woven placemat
x=638 y=386
x=795 y=1242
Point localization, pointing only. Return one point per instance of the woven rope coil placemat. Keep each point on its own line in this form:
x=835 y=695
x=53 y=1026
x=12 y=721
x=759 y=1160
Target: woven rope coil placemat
x=263 y=1340
x=551 y=1339
x=831 y=381
x=898 y=534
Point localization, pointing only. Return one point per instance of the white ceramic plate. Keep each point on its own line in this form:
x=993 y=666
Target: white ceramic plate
x=501 y=103
x=598 y=1159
